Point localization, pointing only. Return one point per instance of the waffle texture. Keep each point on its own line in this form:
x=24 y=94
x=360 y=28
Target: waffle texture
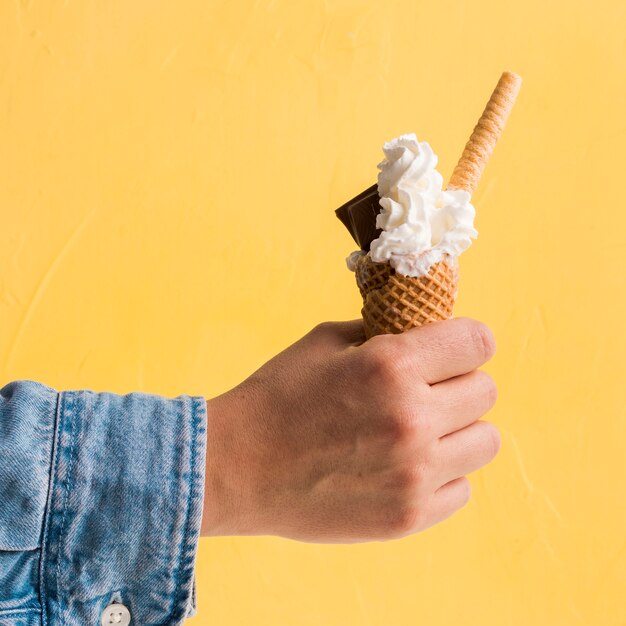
x=483 y=139
x=393 y=303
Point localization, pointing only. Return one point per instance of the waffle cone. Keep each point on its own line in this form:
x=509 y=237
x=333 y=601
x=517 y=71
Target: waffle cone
x=486 y=133
x=393 y=303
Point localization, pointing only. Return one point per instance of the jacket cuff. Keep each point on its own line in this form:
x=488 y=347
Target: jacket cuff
x=125 y=507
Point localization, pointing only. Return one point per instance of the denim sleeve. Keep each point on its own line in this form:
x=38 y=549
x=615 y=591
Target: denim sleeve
x=100 y=502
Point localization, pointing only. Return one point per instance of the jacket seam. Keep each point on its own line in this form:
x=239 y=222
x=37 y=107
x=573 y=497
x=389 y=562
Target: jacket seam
x=73 y=421
x=180 y=612
x=46 y=525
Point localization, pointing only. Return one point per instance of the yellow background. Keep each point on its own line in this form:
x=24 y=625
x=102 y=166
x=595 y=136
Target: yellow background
x=168 y=174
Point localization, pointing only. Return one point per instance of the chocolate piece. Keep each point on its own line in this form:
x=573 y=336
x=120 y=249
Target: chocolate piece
x=359 y=217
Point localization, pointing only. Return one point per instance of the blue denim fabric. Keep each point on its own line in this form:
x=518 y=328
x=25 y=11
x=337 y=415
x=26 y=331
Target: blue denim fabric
x=100 y=501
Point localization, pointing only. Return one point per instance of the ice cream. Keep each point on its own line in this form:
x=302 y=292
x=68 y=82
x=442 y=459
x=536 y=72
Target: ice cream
x=406 y=269
x=421 y=222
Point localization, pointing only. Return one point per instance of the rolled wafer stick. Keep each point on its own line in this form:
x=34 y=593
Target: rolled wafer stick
x=483 y=140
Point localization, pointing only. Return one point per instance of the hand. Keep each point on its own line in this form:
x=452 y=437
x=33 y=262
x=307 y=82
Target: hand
x=337 y=439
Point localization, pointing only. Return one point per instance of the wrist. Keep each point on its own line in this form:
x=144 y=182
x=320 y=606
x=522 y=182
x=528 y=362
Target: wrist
x=215 y=507
x=227 y=508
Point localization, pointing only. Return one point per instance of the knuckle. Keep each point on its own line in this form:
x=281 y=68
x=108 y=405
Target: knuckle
x=490 y=389
x=404 y=520
x=422 y=424
x=399 y=428
x=410 y=478
x=492 y=440
x=483 y=340
x=382 y=367
x=465 y=492
x=492 y=392
x=375 y=343
x=407 y=428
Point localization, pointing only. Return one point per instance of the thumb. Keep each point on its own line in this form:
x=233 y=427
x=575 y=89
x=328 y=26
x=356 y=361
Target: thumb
x=341 y=333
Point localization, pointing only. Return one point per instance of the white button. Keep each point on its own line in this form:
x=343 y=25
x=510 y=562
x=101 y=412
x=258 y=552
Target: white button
x=115 y=613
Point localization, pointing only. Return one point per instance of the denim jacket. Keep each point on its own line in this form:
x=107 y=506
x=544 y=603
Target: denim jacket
x=100 y=506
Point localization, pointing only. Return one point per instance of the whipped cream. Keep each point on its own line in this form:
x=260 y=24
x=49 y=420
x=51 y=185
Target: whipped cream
x=421 y=222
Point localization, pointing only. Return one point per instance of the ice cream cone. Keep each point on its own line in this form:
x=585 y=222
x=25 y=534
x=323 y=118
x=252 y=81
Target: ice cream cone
x=394 y=303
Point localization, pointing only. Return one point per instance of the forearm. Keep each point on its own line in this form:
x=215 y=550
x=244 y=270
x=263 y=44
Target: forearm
x=103 y=493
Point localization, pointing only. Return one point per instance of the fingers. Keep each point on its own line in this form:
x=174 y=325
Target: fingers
x=466 y=450
x=461 y=401
x=446 y=349
x=448 y=499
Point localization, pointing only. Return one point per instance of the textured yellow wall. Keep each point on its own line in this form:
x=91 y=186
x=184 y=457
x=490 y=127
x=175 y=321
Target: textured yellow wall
x=168 y=172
